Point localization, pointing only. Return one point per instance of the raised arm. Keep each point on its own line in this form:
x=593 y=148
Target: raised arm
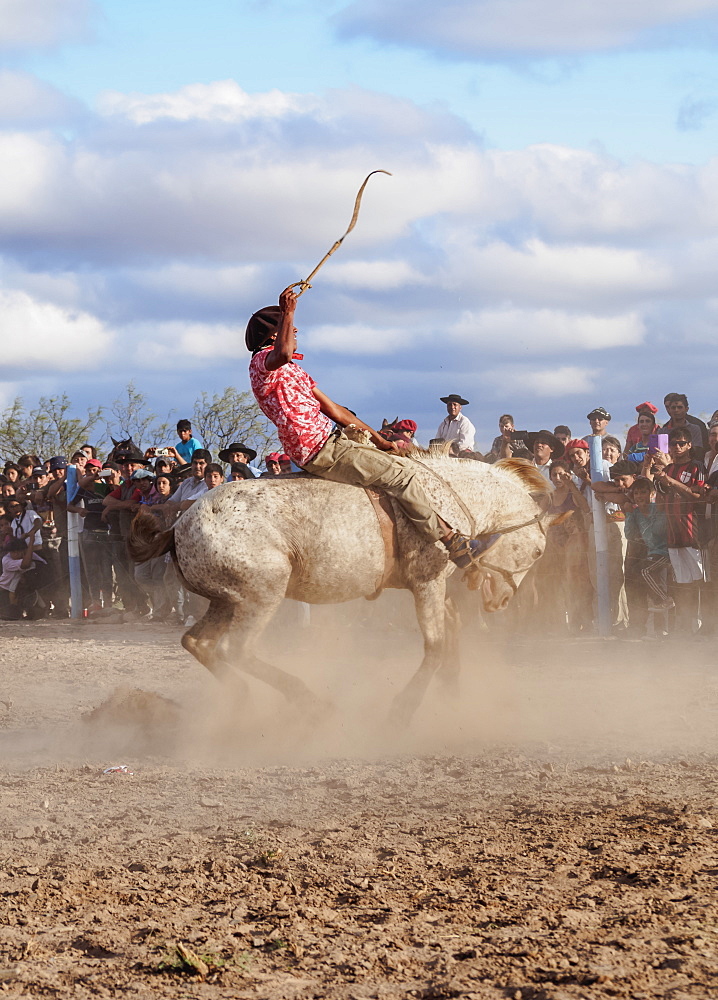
x=286 y=340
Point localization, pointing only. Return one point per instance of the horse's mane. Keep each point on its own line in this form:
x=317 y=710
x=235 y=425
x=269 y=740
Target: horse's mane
x=437 y=455
x=526 y=472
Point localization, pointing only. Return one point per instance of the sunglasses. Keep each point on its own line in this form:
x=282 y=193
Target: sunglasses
x=681 y=442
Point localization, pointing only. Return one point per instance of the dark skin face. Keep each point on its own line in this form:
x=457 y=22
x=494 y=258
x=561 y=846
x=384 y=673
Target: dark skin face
x=677 y=411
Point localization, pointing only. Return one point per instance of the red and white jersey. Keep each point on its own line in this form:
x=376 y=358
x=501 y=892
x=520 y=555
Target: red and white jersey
x=285 y=396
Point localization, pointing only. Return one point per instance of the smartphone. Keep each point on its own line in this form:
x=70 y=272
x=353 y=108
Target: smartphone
x=657 y=442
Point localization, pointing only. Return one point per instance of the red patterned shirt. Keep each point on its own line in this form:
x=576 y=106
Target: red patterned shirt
x=682 y=514
x=285 y=396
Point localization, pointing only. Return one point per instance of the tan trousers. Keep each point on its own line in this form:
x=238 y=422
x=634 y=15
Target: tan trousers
x=345 y=461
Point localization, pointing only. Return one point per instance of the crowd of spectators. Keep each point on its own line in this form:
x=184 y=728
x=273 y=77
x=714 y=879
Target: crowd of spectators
x=657 y=492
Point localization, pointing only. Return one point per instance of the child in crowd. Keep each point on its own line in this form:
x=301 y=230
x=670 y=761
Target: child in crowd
x=647 y=523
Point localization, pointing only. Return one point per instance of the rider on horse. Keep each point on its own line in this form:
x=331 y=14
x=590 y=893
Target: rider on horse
x=304 y=417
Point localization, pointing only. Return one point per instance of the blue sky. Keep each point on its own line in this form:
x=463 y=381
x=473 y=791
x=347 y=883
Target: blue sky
x=546 y=242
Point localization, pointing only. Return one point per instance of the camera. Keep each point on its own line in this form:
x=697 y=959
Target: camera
x=162 y=452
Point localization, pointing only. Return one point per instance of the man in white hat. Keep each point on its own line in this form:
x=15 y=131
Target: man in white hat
x=456 y=427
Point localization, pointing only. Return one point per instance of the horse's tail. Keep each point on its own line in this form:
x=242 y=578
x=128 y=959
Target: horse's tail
x=147 y=539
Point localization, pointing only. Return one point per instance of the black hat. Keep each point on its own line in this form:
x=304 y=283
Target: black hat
x=454 y=398
x=556 y=446
x=242 y=469
x=624 y=468
x=226 y=452
x=599 y=411
x=261 y=326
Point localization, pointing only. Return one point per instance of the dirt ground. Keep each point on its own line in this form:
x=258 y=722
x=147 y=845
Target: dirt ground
x=549 y=835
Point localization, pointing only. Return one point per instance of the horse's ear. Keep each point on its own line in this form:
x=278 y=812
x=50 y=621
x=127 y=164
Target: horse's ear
x=113 y=441
x=384 y=423
x=560 y=518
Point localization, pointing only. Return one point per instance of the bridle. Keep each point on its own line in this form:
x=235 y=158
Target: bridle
x=509 y=575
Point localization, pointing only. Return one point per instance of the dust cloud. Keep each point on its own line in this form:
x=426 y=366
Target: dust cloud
x=93 y=690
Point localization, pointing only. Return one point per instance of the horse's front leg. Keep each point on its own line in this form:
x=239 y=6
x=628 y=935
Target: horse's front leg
x=429 y=603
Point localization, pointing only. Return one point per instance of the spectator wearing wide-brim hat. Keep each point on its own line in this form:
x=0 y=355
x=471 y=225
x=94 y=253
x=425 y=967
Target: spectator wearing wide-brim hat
x=545 y=447
x=456 y=427
x=237 y=452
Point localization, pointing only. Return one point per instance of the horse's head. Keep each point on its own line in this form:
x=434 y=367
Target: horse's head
x=501 y=569
x=499 y=572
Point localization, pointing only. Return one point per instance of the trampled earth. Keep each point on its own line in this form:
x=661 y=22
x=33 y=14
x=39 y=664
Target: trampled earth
x=550 y=835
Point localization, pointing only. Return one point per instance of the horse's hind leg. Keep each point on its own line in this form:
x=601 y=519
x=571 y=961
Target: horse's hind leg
x=429 y=603
x=236 y=649
x=202 y=638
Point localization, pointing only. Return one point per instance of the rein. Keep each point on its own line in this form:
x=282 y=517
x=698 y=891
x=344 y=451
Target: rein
x=508 y=575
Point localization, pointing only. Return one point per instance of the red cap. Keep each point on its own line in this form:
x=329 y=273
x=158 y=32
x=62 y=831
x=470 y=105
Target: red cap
x=284 y=458
x=577 y=443
x=646 y=406
x=405 y=425
x=93 y=463
x=273 y=456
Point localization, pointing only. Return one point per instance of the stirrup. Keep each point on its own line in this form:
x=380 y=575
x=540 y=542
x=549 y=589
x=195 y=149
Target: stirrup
x=464 y=551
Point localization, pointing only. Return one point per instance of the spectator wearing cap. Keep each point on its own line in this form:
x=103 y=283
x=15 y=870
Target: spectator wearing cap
x=636 y=435
x=455 y=426
x=637 y=442
x=599 y=419
x=506 y=429
x=401 y=432
x=273 y=465
x=679 y=481
x=545 y=447
x=95 y=553
x=238 y=452
x=676 y=404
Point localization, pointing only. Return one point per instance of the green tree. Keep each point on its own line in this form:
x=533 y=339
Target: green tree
x=131 y=417
x=45 y=430
x=231 y=416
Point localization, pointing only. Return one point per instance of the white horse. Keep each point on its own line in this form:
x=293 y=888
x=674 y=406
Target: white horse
x=247 y=545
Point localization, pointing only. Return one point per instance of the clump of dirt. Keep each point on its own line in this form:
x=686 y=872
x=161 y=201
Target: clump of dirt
x=141 y=720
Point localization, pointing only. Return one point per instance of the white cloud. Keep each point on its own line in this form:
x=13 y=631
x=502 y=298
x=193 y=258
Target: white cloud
x=355 y=339
x=220 y=101
x=504 y=28
x=547 y=331
x=374 y=275
x=27 y=100
x=44 y=23
x=567 y=380
x=568 y=275
x=43 y=336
